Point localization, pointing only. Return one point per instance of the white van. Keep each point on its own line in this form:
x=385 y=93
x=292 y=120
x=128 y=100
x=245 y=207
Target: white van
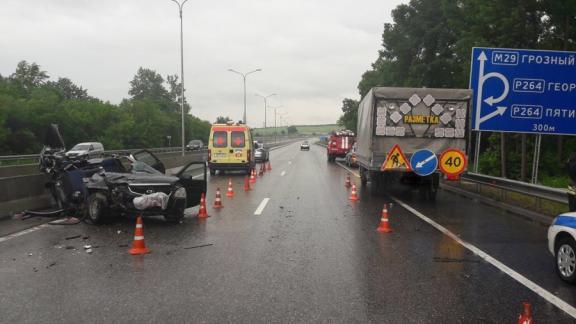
x=88 y=150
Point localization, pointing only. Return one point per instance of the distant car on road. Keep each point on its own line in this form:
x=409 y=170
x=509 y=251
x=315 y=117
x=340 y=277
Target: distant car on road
x=194 y=145
x=562 y=245
x=261 y=153
x=88 y=150
x=305 y=146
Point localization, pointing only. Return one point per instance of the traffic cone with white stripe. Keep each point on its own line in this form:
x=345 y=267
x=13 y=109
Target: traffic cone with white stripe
x=218 y=200
x=230 y=192
x=353 y=194
x=202 y=211
x=348 y=184
x=138 y=245
x=247 y=184
x=384 y=223
x=269 y=166
x=526 y=316
x=253 y=176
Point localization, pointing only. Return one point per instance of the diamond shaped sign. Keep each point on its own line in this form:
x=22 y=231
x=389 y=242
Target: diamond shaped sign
x=446 y=118
x=437 y=109
x=396 y=117
x=428 y=100
x=405 y=108
x=414 y=100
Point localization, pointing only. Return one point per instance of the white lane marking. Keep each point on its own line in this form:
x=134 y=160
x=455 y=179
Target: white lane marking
x=283 y=173
x=261 y=206
x=349 y=170
x=24 y=232
x=569 y=309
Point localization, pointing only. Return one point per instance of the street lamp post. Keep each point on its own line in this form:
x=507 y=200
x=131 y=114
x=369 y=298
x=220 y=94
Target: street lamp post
x=265 y=108
x=244 y=75
x=275 y=128
x=180 y=6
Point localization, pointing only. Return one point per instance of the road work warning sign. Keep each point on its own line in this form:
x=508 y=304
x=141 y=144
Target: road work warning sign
x=396 y=160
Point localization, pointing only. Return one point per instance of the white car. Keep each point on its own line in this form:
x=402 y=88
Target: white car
x=562 y=244
x=87 y=150
x=305 y=146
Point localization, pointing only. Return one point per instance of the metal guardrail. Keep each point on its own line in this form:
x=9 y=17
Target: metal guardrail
x=34 y=157
x=537 y=191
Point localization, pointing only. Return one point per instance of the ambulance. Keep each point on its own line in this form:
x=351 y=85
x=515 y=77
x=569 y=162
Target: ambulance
x=230 y=148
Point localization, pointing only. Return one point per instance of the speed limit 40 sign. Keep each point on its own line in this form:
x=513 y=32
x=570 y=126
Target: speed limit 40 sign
x=453 y=162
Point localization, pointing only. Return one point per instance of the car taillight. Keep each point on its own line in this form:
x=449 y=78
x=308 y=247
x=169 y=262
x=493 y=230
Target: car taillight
x=209 y=155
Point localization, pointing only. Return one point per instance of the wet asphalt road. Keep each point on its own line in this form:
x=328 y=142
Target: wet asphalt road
x=310 y=256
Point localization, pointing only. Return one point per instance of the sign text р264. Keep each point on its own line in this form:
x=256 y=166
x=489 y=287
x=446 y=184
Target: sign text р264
x=523 y=91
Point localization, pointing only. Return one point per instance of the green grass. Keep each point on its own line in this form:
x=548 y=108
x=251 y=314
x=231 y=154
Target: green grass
x=302 y=129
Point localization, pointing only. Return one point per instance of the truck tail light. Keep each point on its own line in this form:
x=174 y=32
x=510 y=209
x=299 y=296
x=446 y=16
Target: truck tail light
x=209 y=155
x=248 y=157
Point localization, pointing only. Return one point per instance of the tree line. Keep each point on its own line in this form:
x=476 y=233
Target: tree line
x=30 y=102
x=429 y=44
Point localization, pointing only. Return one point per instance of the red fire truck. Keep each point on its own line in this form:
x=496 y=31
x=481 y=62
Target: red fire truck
x=339 y=144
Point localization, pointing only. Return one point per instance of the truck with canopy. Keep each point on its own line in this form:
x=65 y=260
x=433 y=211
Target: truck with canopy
x=399 y=126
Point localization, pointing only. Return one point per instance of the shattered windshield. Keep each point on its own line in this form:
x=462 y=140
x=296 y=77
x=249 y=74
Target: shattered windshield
x=141 y=167
x=137 y=167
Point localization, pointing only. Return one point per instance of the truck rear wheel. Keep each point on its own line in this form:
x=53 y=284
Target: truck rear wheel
x=429 y=187
x=376 y=183
x=363 y=176
x=331 y=158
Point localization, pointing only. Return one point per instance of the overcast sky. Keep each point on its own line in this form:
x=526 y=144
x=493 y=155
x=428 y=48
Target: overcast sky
x=312 y=52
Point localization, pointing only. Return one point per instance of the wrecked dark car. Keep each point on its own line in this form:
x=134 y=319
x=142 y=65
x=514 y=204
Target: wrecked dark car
x=99 y=189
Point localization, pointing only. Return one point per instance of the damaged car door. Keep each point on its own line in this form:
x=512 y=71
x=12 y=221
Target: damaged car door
x=193 y=179
x=192 y=176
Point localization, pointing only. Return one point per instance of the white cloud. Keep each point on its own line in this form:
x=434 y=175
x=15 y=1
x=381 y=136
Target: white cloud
x=312 y=53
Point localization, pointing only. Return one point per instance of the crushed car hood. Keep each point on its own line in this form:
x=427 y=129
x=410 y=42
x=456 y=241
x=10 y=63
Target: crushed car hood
x=134 y=178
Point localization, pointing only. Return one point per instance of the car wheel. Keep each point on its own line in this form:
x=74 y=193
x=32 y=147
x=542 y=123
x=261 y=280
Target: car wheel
x=177 y=213
x=97 y=208
x=176 y=216
x=566 y=259
x=58 y=195
x=212 y=172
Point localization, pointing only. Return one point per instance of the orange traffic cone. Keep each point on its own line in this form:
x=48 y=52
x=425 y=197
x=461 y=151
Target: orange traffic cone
x=247 y=184
x=202 y=211
x=138 y=245
x=348 y=184
x=384 y=224
x=269 y=166
x=218 y=200
x=253 y=176
x=230 y=192
x=526 y=316
x=353 y=195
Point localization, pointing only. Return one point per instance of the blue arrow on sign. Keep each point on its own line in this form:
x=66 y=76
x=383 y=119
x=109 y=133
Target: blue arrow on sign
x=424 y=162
